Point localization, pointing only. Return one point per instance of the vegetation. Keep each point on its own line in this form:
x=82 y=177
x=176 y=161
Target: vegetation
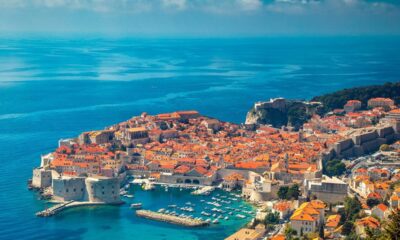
x=390 y=229
x=372 y=202
x=289 y=232
x=271 y=219
x=338 y=99
x=352 y=207
x=289 y=193
x=385 y=148
x=334 y=167
x=295 y=114
x=349 y=214
x=347 y=228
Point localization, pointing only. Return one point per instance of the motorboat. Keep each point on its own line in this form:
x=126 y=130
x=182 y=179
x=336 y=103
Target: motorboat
x=136 y=205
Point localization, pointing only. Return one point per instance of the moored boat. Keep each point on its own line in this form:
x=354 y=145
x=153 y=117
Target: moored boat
x=136 y=205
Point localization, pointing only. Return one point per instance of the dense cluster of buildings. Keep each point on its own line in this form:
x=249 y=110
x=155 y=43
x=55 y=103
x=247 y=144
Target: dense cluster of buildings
x=185 y=147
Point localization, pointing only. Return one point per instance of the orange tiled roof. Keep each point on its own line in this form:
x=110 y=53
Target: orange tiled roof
x=368 y=222
x=333 y=221
x=382 y=207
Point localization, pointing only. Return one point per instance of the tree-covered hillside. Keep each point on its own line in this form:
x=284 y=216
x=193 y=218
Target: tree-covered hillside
x=338 y=99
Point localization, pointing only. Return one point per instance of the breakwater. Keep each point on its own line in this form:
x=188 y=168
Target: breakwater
x=187 y=222
x=54 y=209
x=69 y=204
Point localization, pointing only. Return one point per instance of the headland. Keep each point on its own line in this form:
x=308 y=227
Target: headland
x=185 y=148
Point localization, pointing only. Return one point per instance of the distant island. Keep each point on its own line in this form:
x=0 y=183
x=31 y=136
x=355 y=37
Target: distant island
x=287 y=149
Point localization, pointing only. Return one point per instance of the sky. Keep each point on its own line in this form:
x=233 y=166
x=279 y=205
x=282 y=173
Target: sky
x=201 y=18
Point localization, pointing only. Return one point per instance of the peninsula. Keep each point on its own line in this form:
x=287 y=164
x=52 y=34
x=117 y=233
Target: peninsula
x=185 y=148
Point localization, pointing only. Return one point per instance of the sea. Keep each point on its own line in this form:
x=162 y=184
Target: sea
x=57 y=87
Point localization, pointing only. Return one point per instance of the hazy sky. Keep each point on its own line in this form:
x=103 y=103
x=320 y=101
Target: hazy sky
x=201 y=17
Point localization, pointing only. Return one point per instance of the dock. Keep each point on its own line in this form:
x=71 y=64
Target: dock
x=54 y=209
x=70 y=204
x=204 y=190
x=187 y=222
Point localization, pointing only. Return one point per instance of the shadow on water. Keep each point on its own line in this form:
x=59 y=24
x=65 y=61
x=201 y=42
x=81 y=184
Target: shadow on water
x=60 y=233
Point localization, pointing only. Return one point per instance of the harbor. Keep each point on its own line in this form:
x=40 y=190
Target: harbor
x=216 y=208
x=187 y=222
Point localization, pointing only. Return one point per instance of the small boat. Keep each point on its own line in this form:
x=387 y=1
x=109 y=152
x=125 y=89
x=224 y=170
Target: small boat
x=215 y=221
x=189 y=209
x=148 y=186
x=128 y=195
x=172 y=206
x=240 y=216
x=161 y=210
x=208 y=220
x=136 y=205
x=226 y=218
x=205 y=213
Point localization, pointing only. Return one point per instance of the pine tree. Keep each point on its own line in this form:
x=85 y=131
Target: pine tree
x=392 y=228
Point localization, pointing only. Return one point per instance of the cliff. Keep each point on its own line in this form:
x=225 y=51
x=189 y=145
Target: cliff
x=281 y=112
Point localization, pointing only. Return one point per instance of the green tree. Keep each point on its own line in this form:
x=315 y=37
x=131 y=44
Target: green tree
x=347 y=228
x=293 y=192
x=334 y=167
x=352 y=207
x=392 y=227
x=289 y=232
x=272 y=218
x=372 y=202
x=282 y=192
x=373 y=234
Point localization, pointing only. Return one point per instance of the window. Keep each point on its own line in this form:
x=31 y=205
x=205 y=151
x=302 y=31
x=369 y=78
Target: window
x=74 y=189
x=103 y=193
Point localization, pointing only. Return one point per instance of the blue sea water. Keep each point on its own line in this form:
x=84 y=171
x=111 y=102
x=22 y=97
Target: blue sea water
x=52 y=88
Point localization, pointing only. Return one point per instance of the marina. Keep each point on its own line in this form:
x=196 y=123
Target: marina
x=215 y=209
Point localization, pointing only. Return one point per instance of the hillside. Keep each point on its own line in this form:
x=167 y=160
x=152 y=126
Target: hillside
x=338 y=99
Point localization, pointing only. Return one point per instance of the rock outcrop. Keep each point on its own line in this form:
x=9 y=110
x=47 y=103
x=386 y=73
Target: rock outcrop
x=280 y=112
